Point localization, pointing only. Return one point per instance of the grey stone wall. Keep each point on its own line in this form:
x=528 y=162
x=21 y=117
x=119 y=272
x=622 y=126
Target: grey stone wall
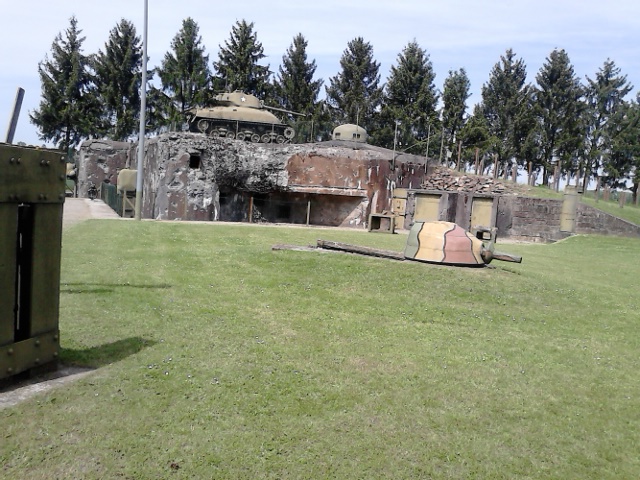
x=538 y=219
x=531 y=219
x=592 y=220
x=526 y=218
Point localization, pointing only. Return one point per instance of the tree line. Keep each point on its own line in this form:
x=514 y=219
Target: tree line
x=556 y=125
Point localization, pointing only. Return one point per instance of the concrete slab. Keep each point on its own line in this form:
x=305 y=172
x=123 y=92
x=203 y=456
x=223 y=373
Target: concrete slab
x=77 y=210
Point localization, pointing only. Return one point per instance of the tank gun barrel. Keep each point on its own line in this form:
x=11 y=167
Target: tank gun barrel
x=506 y=257
x=277 y=109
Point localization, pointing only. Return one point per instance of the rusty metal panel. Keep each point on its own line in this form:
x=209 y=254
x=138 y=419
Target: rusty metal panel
x=31 y=175
x=8 y=237
x=45 y=281
x=399 y=206
x=32 y=193
x=482 y=212
x=427 y=207
x=30 y=353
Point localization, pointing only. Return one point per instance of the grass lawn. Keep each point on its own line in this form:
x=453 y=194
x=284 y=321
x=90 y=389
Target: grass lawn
x=629 y=212
x=219 y=358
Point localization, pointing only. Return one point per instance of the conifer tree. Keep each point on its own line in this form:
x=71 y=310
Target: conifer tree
x=237 y=66
x=624 y=160
x=296 y=90
x=118 y=73
x=506 y=100
x=558 y=108
x=604 y=97
x=354 y=94
x=476 y=138
x=68 y=108
x=410 y=98
x=454 y=96
x=184 y=72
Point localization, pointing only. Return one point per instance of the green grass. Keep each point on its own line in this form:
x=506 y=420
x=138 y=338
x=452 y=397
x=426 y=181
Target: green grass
x=629 y=212
x=220 y=358
x=543 y=192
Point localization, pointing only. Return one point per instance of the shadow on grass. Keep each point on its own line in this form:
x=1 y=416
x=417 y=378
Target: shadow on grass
x=95 y=357
x=105 y=287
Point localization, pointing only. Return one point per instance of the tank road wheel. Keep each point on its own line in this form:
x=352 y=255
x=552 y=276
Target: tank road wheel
x=280 y=139
x=215 y=133
x=255 y=138
x=266 y=138
x=240 y=136
x=289 y=133
x=203 y=125
x=231 y=135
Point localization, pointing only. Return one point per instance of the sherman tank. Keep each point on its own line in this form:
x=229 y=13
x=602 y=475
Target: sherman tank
x=242 y=116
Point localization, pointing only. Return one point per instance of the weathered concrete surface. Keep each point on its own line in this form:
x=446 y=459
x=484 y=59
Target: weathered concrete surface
x=76 y=210
x=106 y=160
x=191 y=176
x=27 y=389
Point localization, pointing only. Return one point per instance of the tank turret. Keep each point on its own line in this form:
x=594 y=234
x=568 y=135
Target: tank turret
x=242 y=116
x=450 y=244
x=351 y=132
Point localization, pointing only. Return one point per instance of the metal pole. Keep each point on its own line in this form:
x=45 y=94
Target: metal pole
x=441 y=146
x=426 y=155
x=13 y=123
x=395 y=140
x=143 y=117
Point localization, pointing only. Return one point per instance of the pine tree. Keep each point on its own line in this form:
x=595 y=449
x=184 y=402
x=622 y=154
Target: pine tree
x=604 y=97
x=624 y=159
x=506 y=100
x=184 y=72
x=475 y=136
x=410 y=98
x=237 y=66
x=558 y=108
x=295 y=87
x=454 y=97
x=118 y=73
x=68 y=108
x=354 y=94
x=296 y=90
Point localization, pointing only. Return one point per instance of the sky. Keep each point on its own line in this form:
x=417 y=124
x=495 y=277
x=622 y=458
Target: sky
x=469 y=34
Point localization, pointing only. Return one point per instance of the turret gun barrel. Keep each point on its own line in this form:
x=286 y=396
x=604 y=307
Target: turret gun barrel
x=277 y=109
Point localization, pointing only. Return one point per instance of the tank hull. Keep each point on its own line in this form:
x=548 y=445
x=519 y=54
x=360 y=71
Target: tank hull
x=251 y=131
x=241 y=116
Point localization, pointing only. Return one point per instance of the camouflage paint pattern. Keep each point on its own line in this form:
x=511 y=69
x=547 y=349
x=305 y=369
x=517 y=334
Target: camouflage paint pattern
x=443 y=242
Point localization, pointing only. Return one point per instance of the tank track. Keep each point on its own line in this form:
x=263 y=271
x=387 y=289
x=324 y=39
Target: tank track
x=254 y=132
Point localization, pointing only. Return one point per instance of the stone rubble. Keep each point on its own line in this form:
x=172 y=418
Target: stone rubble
x=444 y=179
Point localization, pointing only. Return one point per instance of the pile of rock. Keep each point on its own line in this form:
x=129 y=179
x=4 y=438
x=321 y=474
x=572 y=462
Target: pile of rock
x=444 y=179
